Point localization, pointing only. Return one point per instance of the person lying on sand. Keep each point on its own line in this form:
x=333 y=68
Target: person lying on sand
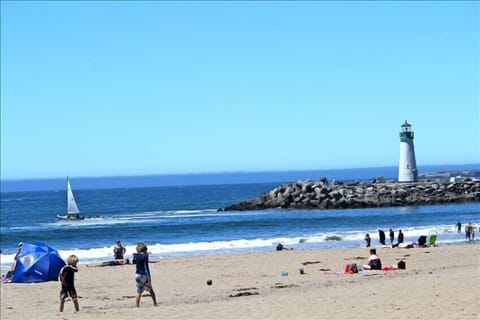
x=281 y=247
x=421 y=243
x=116 y=262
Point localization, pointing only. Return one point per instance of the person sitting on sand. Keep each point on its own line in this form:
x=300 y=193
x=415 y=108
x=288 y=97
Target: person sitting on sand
x=422 y=241
x=9 y=275
x=374 y=262
x=119 y=251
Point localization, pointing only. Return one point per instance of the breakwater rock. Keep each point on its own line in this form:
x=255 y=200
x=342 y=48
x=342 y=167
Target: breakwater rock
x=323 y=195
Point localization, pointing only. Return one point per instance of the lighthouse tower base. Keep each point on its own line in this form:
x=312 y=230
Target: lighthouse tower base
x=407 y=169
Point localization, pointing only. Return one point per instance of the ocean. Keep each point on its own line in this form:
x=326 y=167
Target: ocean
x=180 y=220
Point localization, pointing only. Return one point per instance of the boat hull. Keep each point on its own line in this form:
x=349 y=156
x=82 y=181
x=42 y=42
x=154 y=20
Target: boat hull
x=70 y=218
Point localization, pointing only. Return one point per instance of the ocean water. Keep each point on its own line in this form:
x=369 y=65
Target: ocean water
x=183 y=220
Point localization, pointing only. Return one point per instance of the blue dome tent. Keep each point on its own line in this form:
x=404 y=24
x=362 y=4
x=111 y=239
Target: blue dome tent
x=37 y=262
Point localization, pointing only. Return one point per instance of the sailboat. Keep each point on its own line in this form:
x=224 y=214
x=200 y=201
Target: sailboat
x=72 y=209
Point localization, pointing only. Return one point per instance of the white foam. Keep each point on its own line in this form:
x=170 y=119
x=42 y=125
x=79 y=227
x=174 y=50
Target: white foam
x=348 y=239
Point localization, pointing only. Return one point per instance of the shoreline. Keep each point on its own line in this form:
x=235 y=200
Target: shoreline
x=438 y=282
x=4 y=266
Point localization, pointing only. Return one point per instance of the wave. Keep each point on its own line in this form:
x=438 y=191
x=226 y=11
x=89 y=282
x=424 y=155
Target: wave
x=12 y=200
x=137 y=217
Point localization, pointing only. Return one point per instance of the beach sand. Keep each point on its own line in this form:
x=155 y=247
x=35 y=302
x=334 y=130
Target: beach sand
x=438 y=283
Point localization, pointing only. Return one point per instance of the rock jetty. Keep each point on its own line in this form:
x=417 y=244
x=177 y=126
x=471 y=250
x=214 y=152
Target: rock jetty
x=336 y=195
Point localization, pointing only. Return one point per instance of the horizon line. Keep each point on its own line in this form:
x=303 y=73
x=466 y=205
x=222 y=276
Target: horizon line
x=227 y=172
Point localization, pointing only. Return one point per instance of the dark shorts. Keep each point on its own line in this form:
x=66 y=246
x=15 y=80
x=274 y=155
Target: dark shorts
x=68 y=292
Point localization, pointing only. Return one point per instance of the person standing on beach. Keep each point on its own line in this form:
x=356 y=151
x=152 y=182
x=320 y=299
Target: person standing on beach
x=143 y=276
x=400 y=236
x=381 y=237
x=367 y=240
x=469 y=232
x=459 y=226
x=392 y=236
x=66 y=277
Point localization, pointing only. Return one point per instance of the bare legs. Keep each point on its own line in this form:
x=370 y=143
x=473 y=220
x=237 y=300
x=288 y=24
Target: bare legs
x=154 y=298
x=75 y=303
x=139 y=296
x=137 y=300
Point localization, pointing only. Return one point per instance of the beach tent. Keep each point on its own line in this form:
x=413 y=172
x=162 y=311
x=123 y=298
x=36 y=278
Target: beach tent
x=37 y=262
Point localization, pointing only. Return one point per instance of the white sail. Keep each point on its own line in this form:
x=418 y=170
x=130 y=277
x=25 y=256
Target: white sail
x=71 y=204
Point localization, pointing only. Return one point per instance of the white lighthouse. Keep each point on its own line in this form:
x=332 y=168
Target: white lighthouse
x=407 y=167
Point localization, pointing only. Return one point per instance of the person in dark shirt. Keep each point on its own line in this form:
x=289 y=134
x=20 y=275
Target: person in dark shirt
x=381 y=236
x=374 y=261
x=392 y=236
x=400 y=236
x=143 y=276
x=66 y=277
x=422 y=241
x=459 y=226
x=367 y=240
x=119 y=251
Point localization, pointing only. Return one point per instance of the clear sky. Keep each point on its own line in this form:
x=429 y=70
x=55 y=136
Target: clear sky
x=134 y=88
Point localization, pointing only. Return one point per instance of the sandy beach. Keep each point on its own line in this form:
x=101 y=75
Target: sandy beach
x=438 y=283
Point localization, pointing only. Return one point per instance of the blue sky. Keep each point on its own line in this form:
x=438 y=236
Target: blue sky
x=133 y=88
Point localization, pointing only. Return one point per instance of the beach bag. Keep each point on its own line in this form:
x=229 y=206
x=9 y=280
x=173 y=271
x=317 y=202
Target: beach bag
x=350 y=268
x=353 y=268
x=401 y=264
